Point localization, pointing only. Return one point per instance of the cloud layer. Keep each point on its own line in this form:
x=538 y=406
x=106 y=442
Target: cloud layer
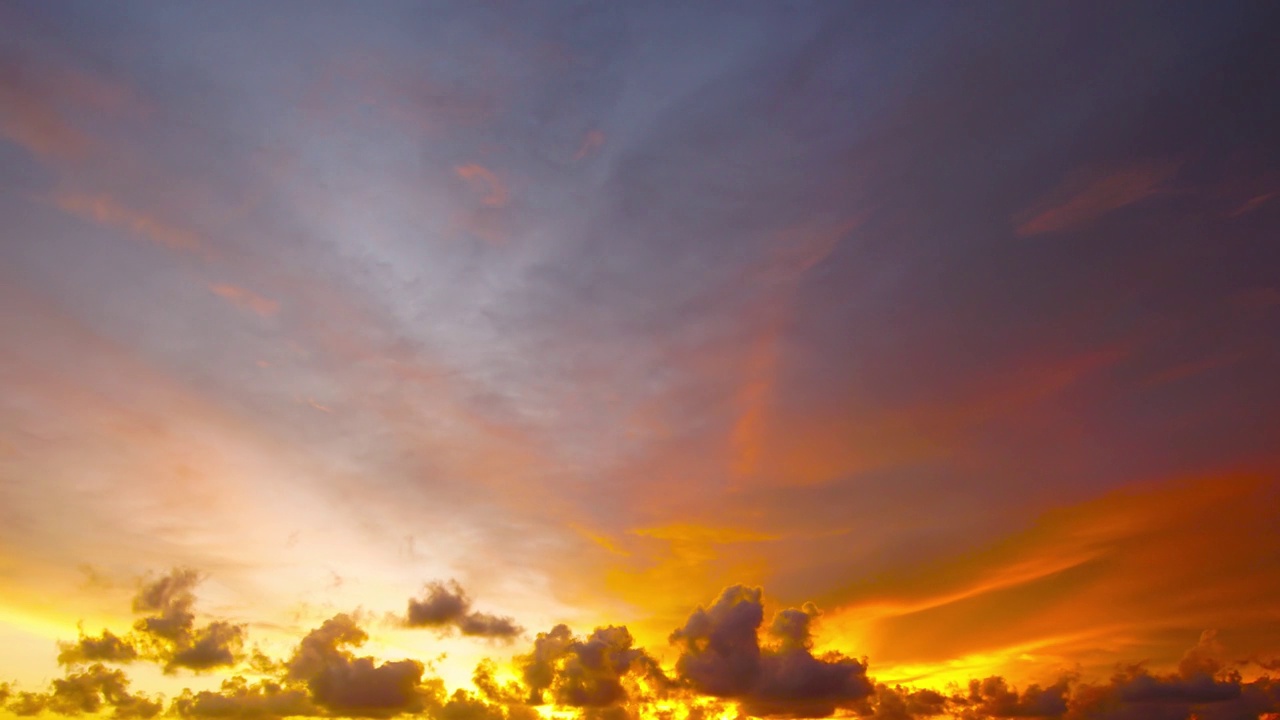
x=728 y=663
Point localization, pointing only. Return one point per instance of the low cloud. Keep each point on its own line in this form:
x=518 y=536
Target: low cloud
x=237 y=698
x=88 y=691
x=590 y=672
x=108 y=648
x=728 y=658
x=721 y=656
x=169 y=632
x=355 y=686
x=446 y=607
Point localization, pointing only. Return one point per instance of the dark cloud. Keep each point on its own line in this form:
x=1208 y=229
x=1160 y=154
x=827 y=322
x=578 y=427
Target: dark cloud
x=446 y=606
x=721 y=656
x=238 y=699
x=1132 y=694
x=108 y=647
x=169 y=632
x=725 y=661
x=357 y=686
x=993 y=697
x=462 y=705
x=590 y=672
x=88 y=691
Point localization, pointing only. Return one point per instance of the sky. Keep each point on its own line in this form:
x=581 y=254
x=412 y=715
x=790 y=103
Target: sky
x=639 y=361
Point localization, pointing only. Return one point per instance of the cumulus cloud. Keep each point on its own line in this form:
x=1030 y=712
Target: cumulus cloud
x=356 y=686
x=88 y=691
x=728 y=657
x=108 y=648
x=446 y=607
x=169 y=631
x=238 y=699
x=1200 y=689
x=721 y=656
x=590 y=672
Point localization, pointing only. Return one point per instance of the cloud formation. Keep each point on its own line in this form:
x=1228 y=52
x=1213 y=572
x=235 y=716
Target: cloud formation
x=355 y=686
x=727 y=659
x=169 y=630
x=446 y=607
x=590 y=672
x=721 y=655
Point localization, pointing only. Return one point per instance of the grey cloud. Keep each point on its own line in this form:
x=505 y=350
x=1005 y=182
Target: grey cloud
x=238 y=699
x=108 y=647
x=721 y=656
x=88 y=691
x=588 y=672
x=356 y=686
x=170 y=634
x=446 y=606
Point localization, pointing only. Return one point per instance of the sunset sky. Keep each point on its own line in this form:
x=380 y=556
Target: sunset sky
x=888 y=360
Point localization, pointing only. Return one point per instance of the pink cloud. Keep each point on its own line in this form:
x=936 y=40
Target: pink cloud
x=104 y=210
x=246 y=299
x=484 y=181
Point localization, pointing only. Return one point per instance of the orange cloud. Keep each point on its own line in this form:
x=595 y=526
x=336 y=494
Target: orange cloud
x=1080 y=201
x=246 y=299
x=1084 y=587
x=104 y=210
x=485 y=182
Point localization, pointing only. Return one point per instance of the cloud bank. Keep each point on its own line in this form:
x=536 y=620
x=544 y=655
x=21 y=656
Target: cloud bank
x=728 y=664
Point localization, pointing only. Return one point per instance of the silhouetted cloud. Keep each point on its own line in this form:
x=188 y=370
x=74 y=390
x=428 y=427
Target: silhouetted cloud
x=87 y=691
x=108 y=647
x=239 y=699
x=445 y=606
x=728 y=658
x=358 y=686
x=169 y=631
x=721 y=656
x=585 y=672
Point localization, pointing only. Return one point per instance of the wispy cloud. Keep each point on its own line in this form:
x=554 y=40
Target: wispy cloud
x=1082 y=200
x=246 y=299
x=485 y=183
x=105 y=210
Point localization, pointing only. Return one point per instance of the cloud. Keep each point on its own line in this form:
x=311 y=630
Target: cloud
x=246 y=299
x=484 y=182
x=33 y=122
x=108 y=647
x=445 y=606
x=725 y=660
x=1254 y=203
x=237 y=698
x=86 y=691
x=169 y=631
x=586 y=672
x=992 y=697
x=721 y=656
x=1082 y=200
x=591 y=144
x=356 y=686
x=104 y=210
